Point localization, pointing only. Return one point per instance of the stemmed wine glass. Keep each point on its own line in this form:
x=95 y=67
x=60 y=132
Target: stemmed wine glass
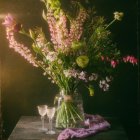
x=42 y=110
x=50 y=114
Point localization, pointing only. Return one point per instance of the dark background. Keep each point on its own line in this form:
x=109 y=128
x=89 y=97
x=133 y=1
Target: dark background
x=23 y=86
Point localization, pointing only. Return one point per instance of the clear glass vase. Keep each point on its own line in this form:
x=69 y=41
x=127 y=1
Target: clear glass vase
x=70 y=112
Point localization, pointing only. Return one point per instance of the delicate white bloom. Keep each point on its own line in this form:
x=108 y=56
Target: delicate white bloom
x=59 y=61
x=108 y=79
x=44 y=73
x=82 y=76
x=49 y=72
x=104 y=85
x=52 y=56
x=118 y=15
x=93 y=76
x=49 y=78
x=45 y=50
x=74 y=73
x=67 y=73
x=71 y=73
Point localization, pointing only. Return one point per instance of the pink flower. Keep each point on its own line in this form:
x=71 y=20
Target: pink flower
x=11 y=24
x=12 y=27
x=113 y=63
x=102 y=58
x=9 y=21
x=130 y=59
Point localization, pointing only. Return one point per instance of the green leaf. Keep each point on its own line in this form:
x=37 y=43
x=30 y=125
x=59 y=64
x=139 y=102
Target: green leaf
x=35 y=48
x=44 y=15
x=32 y=34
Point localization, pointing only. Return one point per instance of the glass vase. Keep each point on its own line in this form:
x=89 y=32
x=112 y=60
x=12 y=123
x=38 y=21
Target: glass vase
x=70 y=112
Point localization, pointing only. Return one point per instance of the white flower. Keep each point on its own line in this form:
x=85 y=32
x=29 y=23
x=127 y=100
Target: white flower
x=51 y=56
x=93 y=76
x=59 y=61
x=44 y=73
x=118 y=15
x=67 y=73
x=104 y=85
x=70 y=73
x=108 y=79
x=49 y=78
x=74 y=73
x=82 y=76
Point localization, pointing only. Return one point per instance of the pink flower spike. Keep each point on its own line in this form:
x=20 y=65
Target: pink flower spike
x=11 y=24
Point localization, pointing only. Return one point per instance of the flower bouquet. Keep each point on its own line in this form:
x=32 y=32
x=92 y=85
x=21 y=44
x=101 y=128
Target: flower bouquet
x=76 y=49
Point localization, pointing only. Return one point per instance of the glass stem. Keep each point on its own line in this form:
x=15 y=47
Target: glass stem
x=50 y=122
x=42 y=119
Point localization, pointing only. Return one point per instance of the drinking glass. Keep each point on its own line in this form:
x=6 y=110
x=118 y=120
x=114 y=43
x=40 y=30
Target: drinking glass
x=42 y=109
x=50 y=114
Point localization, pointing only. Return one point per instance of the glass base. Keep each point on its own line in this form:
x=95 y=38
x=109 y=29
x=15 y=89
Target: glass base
x=43 y=129
x=51 y=132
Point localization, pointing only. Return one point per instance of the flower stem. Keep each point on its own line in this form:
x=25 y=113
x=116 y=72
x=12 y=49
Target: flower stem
x=110 y=23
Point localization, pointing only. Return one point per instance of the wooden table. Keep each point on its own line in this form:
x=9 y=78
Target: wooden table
x=27 y=128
